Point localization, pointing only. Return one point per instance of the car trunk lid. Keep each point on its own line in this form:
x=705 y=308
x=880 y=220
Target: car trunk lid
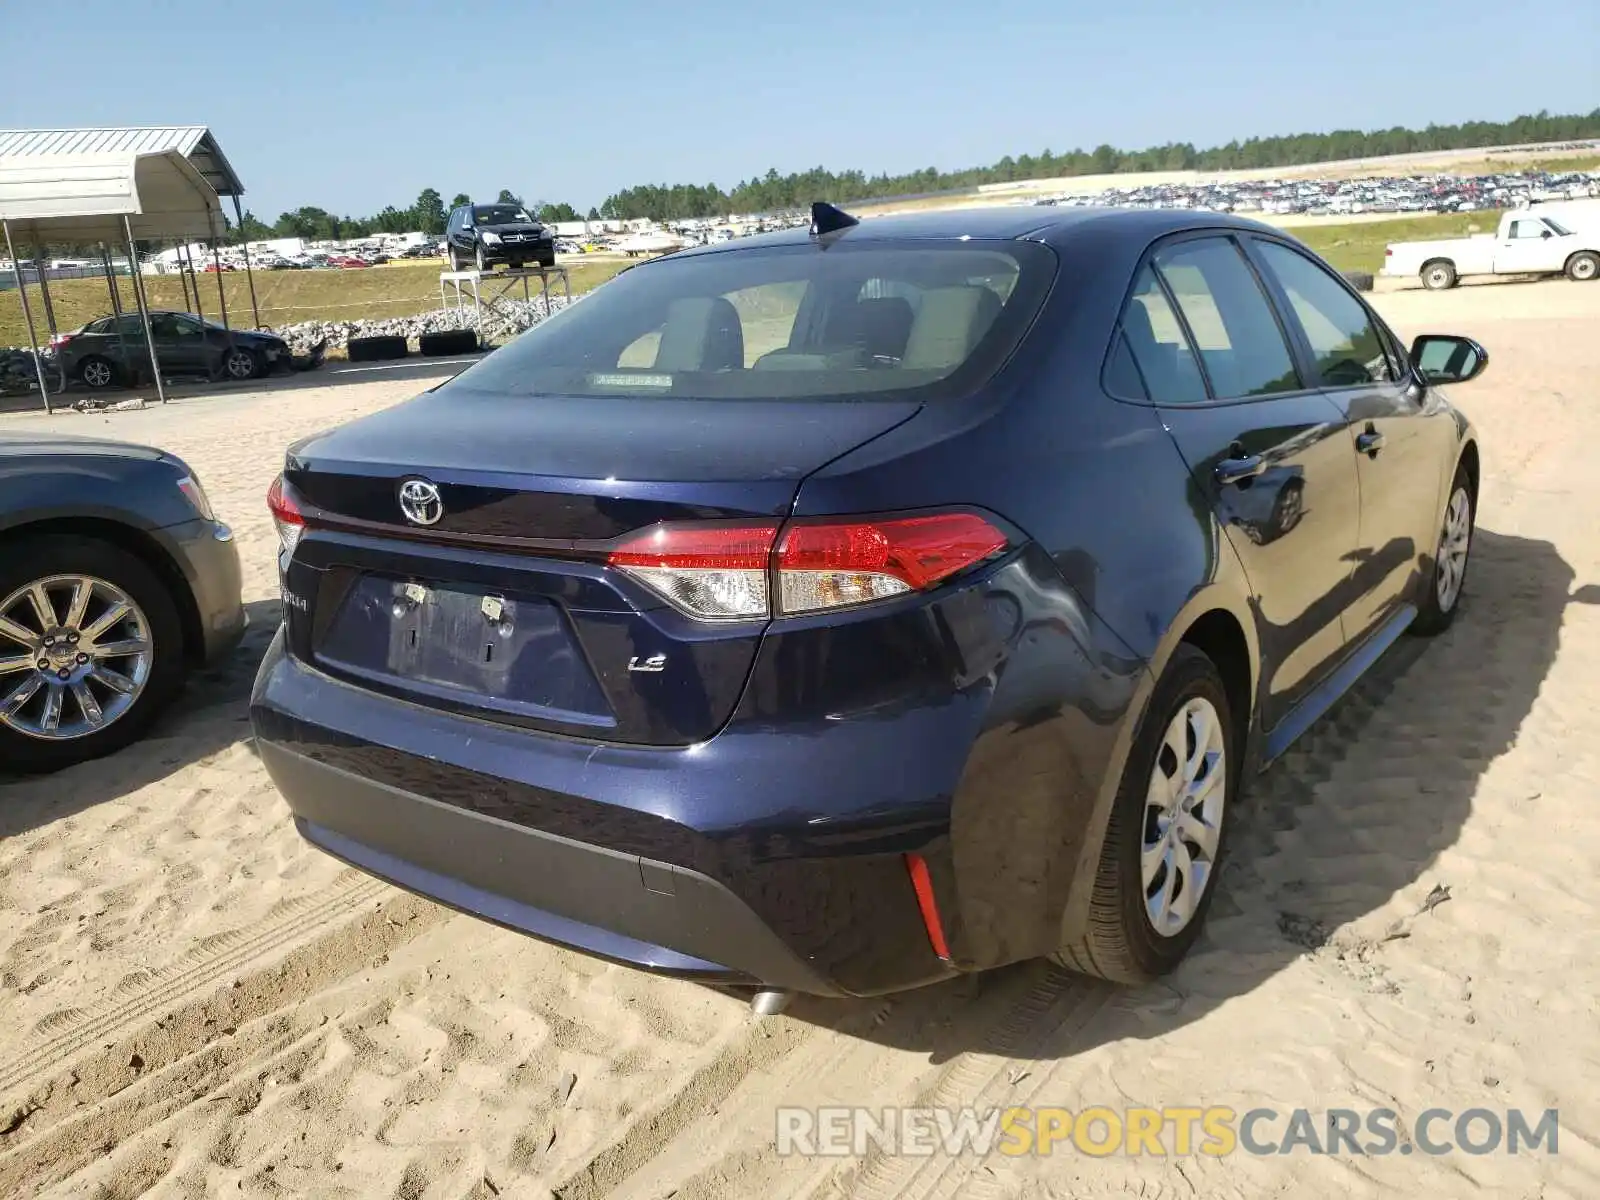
x=503 y=606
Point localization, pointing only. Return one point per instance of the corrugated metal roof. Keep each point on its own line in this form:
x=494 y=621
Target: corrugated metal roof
x=194 y=142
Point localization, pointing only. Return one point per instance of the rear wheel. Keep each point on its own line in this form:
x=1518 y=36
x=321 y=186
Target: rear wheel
x=1165 y=838
x=97 y=372
x=90 y=649
x=1439 y=276
x=1583 y=266
x=1437 y=607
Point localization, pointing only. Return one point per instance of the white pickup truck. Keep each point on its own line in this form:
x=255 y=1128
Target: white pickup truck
x=1525 y=244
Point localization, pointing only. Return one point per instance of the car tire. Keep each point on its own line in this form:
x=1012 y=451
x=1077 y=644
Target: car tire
x=448 y=341
x=1583 y=267
x=97 y=372
x=481 y=259
x=547 y=262
x=1443 y=583
x=1439 y=276
x=239 y=364
x=375 y=349
x=455 y=259
x=154 y=615
x=1360 y=280
x=1121 y=941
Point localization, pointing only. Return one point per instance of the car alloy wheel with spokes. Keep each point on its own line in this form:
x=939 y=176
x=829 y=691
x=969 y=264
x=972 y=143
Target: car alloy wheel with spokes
x=1454 y=542
x=1183 y=816
x=97 y=373
x=240 y=364
x=75 y=655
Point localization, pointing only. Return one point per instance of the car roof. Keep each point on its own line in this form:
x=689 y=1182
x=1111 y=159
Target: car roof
x=1043 y=223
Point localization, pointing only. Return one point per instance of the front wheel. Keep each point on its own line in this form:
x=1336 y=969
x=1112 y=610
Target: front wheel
x=1437 y=607
x=482 y=259
x=90 y=649
x=1164 y=841
x=455 y=259
x=1583 y=266
x=240 y=364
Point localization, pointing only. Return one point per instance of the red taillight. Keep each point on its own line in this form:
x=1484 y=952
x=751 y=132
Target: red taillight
x=286 y=514
x=1388 y=252
x=723 y=572
x=831 y=564
x=922 y=884
x=713 y=572
x=59 y=340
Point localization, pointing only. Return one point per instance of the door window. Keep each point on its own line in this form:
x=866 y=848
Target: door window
x=1229 y=318
x=1343 y=336
x=1528 y=229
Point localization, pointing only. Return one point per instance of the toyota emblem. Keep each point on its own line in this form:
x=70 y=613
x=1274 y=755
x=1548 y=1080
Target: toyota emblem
x=420 y=503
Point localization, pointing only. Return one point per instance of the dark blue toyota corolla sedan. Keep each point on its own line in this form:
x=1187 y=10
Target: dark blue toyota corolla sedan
x=840 y=610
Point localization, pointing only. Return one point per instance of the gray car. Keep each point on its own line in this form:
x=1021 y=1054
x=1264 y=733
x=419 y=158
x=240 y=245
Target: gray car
x=112 y=350
x=115 y=579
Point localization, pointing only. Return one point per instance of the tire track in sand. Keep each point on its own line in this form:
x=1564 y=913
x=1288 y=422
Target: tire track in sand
x=194 y=1006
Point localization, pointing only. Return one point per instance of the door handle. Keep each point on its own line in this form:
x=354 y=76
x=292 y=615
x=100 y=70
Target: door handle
x=1237 y=470
x=1370 y=442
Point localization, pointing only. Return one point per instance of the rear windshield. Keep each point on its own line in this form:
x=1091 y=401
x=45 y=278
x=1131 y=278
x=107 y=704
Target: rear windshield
x=800 y=321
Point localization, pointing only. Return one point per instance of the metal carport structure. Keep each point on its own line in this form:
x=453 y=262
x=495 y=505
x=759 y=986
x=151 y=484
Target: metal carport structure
x=104 y=195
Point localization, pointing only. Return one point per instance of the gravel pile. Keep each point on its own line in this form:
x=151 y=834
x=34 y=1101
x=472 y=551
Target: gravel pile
x=506 y=319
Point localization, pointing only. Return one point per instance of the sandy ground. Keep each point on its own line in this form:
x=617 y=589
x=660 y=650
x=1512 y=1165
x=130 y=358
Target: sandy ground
x=194 y=1002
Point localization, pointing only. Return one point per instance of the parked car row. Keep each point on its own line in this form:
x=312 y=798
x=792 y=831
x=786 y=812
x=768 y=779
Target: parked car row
x=1337 y=197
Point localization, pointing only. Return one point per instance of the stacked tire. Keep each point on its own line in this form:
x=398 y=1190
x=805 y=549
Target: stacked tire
x=376 y=349
x=447 y=342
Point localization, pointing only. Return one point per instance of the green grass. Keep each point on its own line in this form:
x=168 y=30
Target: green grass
x=284 y=297
x=1359 y=246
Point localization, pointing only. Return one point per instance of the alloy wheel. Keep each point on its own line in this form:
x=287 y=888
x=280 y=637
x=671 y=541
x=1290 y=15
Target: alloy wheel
x=240 y=364
x=1584 y=269
x=1454 y=542
x=75 y=655
x=1183 y=816
x=97 y=374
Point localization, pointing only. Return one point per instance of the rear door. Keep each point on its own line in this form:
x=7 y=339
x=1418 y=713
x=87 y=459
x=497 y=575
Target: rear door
x=1270 y=456
x=1400 y=451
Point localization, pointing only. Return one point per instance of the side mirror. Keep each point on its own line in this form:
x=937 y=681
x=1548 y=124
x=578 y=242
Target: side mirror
x=1547 y=234
x=1446 y=358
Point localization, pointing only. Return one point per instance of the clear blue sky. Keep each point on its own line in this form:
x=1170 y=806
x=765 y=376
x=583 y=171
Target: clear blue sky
x=354 y=104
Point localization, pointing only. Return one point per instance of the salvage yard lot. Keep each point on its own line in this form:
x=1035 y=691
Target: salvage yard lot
x=193 y=1001
x=400 y=289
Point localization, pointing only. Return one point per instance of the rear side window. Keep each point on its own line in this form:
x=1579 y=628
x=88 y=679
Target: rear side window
x=1344 y=338
x=799 y=321
x=1158 y=348
x=1229 y=318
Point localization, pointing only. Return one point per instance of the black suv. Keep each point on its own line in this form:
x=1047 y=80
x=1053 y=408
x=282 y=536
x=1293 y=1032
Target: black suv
x=486 y=234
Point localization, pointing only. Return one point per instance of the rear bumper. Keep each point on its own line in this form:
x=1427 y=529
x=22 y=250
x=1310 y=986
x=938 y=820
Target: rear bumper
x=622 y=906
x=715 y=861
